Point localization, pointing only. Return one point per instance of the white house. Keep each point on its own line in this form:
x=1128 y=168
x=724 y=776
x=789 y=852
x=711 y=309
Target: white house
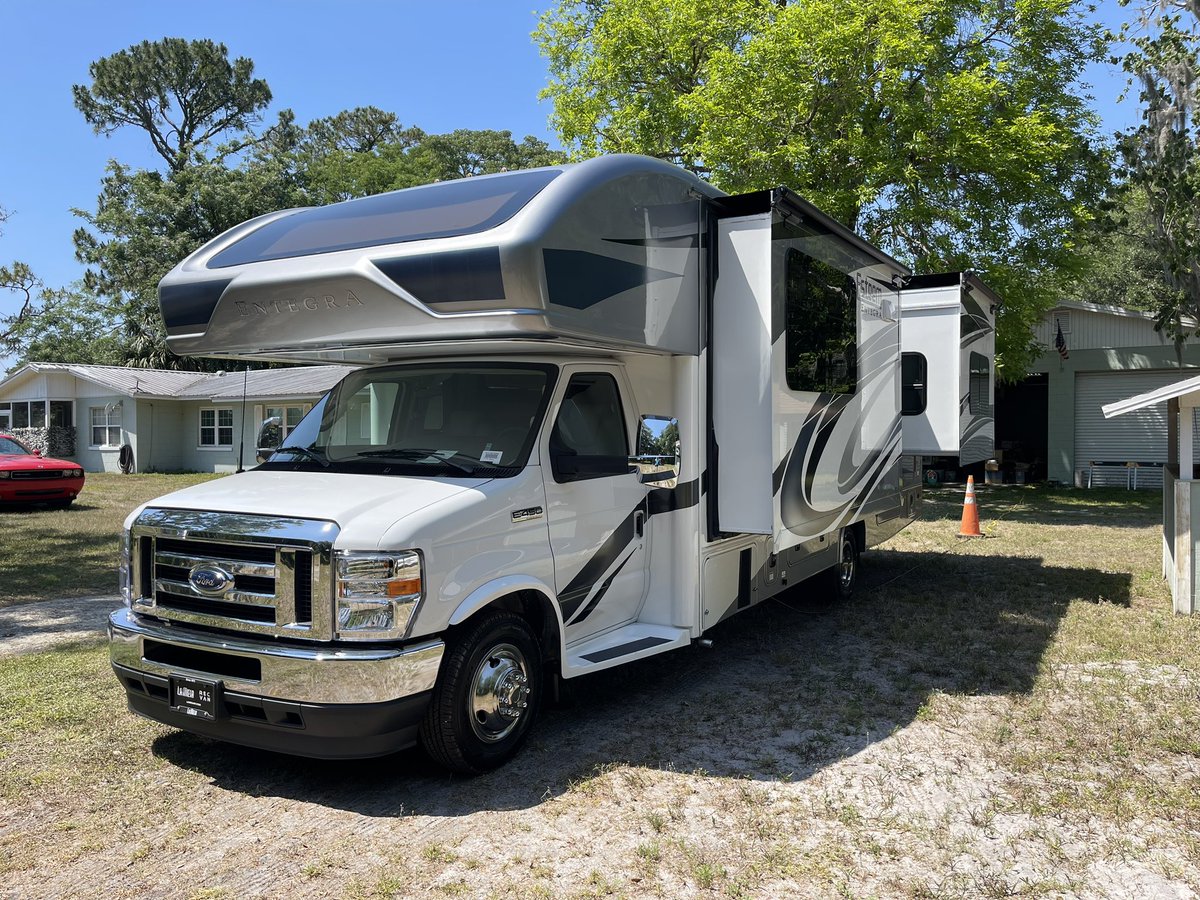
x=172 y=421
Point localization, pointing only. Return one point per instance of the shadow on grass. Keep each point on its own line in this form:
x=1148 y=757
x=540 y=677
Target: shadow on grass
x=51 y=560
x=1039 y=504
x=789 y=687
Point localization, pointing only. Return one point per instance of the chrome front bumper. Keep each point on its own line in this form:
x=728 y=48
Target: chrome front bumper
x=285 y=672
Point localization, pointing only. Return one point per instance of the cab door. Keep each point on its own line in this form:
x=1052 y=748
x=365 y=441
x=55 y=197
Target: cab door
x=595 y=503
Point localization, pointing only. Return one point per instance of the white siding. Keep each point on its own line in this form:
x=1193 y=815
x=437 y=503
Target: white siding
x=1139 y=436
x=1088 y=330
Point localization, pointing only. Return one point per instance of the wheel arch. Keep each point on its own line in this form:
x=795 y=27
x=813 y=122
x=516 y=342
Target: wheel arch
x=529 y=598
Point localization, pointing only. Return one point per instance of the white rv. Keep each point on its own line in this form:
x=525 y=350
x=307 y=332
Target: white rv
x=469 y=515
x=948 y=402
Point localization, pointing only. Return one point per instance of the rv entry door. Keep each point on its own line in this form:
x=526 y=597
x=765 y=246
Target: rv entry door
x=595 y=504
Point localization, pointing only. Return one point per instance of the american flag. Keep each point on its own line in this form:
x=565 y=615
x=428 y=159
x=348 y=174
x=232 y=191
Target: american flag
x=1060 y=342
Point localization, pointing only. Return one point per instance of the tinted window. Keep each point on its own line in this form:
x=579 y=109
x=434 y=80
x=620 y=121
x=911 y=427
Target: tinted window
x=821 y=303
x=465 y=206
x=462 y=419
x=979 y=400
x=590 y=422
x=914 y=372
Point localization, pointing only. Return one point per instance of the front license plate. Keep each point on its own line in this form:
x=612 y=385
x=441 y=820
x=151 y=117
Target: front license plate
x=194 y=696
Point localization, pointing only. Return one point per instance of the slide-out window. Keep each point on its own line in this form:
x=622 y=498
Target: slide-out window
x=822 y=327
x=979 y=400
x=914 y=380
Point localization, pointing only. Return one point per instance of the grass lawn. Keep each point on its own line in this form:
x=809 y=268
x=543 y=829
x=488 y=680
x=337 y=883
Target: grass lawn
x=1011 y=716
x=50 y=553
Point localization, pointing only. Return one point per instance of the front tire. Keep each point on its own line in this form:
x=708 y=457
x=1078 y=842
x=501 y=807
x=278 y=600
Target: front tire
x=487 y=695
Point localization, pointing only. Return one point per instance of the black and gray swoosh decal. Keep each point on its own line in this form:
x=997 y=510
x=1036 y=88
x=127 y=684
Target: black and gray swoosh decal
x=973 y=322
x=810 y=460
x=657 y=502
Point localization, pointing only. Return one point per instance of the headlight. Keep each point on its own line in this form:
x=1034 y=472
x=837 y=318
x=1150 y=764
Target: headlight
x=5 y=474
x=125 y=570
x=377 y=594
x=72 y=473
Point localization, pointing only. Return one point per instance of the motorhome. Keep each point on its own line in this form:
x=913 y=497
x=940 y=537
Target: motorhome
x=473 y=513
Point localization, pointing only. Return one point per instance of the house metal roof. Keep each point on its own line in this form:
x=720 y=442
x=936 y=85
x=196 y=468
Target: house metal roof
x=304 y=381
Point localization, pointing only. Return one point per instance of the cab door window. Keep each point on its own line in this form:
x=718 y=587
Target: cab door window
x=588 y=439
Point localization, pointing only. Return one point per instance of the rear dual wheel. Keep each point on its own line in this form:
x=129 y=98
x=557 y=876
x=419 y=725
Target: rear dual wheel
x=842 y=578
x=487 y=695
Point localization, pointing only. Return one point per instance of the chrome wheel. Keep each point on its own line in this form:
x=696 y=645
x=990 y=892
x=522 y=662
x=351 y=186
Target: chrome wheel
x=845 y=573
x=848 y=566
x=499 y=694
x=487 y=694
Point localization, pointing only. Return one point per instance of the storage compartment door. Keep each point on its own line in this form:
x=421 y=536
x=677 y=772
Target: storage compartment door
x=740 y=345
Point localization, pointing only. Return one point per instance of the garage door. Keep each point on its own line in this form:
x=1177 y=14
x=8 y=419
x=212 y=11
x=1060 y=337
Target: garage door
x=1139 y=436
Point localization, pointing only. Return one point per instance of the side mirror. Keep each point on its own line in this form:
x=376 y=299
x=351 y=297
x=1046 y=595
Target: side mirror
x=658 y=450
x=270 y=436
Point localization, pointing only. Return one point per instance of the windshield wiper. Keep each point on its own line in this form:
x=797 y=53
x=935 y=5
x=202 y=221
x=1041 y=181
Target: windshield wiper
x=418 y=454
x=305 y=451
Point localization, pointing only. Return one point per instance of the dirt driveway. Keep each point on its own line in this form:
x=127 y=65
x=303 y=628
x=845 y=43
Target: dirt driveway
x=1010 y=717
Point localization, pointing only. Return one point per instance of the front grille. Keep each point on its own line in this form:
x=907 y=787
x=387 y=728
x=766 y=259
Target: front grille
x=35 y=474
x=242 y=573
x=304 y=586
x=209 y=607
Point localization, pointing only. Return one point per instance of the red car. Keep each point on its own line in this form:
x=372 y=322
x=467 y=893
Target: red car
x=28 y=477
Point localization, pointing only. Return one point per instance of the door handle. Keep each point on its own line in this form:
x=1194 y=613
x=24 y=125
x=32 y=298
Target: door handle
x=639 y=523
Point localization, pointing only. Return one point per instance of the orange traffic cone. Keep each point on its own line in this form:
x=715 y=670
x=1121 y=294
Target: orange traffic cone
x=970 y=517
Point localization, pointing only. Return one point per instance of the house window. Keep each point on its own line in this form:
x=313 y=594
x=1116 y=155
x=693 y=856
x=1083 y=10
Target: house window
x=106 y=426
x=62 y=413
x=216 y=428
x=5 y=416
x=289 y=416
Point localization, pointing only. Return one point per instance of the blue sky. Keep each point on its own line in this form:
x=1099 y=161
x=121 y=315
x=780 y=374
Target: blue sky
x=438 y=65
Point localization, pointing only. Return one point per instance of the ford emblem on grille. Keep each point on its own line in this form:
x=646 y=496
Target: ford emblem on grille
x=209 y=579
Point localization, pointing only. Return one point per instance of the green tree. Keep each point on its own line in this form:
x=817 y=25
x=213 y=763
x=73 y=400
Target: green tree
x=331 y=170
x=196 y=108
x=952 y=133
x=1120 y=265
x=70 y=326
x=1162 y=155
x=145 y=222
x=182 y=94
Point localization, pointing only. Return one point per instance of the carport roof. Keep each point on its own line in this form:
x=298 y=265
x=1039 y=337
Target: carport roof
x=1159 y=395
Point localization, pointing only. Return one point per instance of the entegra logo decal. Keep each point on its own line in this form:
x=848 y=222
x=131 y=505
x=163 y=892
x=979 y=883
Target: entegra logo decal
x=209 y=579
x=297 y=304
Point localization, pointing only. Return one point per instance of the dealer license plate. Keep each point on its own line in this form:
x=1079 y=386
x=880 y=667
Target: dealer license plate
x=194 y=696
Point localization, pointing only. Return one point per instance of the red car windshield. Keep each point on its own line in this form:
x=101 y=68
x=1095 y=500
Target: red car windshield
x=9 y=447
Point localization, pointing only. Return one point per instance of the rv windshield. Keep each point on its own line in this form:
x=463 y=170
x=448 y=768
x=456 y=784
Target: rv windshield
x=466 y=419
x=445 y=209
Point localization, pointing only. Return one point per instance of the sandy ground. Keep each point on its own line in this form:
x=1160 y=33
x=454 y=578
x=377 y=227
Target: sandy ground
x=801 y=756
x=32 y=627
